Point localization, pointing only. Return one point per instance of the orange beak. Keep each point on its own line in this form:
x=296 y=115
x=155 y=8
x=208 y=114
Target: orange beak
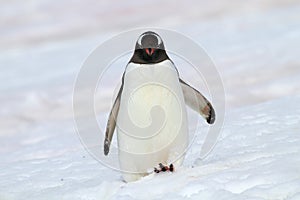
x=149 y=51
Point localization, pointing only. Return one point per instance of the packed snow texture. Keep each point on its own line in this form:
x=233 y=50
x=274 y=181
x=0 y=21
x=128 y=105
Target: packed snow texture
x=255 y=46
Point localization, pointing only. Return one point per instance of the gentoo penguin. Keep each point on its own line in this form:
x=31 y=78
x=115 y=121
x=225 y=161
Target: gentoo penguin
x=150 y=113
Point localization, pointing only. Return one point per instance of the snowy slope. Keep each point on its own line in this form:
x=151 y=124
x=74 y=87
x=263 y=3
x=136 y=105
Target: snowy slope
x=255 y=45
x=256 y=157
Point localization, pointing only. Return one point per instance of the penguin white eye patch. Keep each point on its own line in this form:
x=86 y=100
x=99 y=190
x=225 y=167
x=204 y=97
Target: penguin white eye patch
x=150 y=40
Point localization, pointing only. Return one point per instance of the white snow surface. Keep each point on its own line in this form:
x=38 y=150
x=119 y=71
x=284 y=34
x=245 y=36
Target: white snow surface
x=255 y=46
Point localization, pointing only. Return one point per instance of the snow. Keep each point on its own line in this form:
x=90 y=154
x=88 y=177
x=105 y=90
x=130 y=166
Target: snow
x=257 y=157
x=255 y=46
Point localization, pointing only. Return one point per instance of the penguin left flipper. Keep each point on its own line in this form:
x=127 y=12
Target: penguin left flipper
x=196 y=101
x=111 y=123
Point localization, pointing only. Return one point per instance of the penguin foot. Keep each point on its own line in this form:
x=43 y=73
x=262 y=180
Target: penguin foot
x=164 y=168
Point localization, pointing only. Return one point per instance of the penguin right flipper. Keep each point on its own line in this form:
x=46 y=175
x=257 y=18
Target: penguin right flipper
x=196 y=101
x=111 y=123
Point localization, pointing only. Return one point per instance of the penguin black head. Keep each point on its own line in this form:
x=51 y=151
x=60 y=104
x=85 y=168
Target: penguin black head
x=149 y=48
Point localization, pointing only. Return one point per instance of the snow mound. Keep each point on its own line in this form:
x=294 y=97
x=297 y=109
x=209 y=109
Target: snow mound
x=256 y=157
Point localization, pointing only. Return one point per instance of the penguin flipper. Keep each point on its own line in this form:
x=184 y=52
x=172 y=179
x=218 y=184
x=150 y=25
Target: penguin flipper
x=111 y=123
x=196 y=101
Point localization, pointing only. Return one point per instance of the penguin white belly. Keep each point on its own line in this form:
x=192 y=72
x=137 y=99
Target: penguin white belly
x=152 y=120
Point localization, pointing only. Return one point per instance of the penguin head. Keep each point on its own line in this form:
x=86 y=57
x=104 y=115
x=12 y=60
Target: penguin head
x=149 y=48
x=149 y=40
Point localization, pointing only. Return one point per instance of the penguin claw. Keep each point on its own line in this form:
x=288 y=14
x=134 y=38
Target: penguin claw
x=164 y=168
x=171 y=168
